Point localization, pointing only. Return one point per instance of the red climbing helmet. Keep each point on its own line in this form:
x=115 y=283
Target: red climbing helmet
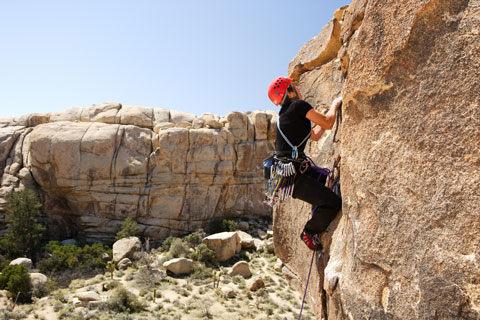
x=278 y=88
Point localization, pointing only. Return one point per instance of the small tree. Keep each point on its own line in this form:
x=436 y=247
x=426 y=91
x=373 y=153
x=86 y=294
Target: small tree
x=129 y=228
x=25 y=233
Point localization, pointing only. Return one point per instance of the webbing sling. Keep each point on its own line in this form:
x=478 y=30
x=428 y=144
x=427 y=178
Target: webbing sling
x=294 y=148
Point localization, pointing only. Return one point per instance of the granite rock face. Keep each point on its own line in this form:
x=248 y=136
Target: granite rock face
x=406 y=244
x=95 y=166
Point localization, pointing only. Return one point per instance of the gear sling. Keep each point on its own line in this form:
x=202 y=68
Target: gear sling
x=281 y=171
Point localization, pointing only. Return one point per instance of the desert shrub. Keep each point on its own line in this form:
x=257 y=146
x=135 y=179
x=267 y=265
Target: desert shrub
x=129 y=228
x=204 y=254
x=201 y=272
x=178 y=249
x=16 y=280
x=194 y=239
x=61 y=295
x=222 y=225
x=73 y=257
x=167 y=243
x=123 y=300
x=24 y=232
x=149 y=278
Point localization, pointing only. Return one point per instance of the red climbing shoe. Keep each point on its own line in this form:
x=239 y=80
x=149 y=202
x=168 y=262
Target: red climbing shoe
x=312 y=242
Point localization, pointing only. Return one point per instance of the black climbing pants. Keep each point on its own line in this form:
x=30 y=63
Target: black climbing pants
x=310 y=187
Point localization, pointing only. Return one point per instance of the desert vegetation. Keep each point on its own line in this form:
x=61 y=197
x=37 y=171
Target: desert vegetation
x=71 y=280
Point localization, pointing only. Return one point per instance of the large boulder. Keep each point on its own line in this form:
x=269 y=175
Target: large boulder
x=105 y=112
x=22 y=262
x=241 y=268
x=225 y=244
x=126 y=248
x=260 y=122
x=179 y=266
x=181 y=116
x=137 y=115
x=246 y=240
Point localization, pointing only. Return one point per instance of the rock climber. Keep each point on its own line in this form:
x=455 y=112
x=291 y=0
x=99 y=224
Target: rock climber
x=292 y=172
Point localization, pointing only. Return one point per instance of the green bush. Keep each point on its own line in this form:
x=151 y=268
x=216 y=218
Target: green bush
x=222 y=225
x=167 y=243
x=24 y=232
x=194 y=239
x=123 y=300
x=16 y=280
x=129 y=228
x=73 y=257
x=205 y=255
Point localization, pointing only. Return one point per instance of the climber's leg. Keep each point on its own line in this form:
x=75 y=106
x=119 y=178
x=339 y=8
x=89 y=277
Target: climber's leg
x=327 y=203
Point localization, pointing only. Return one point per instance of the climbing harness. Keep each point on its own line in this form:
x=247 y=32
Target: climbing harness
x=294 y=148
x=282 y=171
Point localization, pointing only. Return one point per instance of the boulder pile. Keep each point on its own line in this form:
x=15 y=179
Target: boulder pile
x=171 y=171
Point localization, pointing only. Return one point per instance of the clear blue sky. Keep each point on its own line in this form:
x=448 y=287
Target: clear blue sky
x=195 y=56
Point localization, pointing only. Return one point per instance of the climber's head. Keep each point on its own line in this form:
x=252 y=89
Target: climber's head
x=277 y=90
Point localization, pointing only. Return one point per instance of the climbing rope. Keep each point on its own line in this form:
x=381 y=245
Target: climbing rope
x=306 y=287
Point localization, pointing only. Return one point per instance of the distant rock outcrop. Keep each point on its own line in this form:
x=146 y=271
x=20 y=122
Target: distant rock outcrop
x=170 y=170
x=407 y=244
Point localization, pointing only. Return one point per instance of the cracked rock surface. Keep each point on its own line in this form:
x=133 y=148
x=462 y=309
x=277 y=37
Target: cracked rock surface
x=406 y=244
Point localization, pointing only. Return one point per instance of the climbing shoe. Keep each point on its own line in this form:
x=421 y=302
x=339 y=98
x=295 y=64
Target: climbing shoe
x=312 y=242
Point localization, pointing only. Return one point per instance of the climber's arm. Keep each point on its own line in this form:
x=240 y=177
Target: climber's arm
x=327 y=120
x=317 y=133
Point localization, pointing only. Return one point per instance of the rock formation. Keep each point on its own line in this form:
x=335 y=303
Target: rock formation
x=407 y=243
x=170 y=170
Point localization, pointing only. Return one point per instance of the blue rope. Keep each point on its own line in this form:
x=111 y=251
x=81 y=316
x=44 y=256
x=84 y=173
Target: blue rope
x=306 y=286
